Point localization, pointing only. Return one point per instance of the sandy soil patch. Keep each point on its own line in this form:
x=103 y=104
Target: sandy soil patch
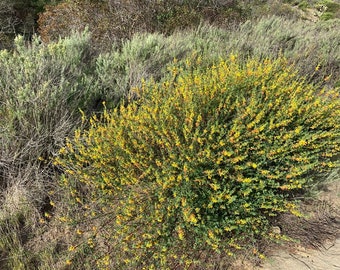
x=318 y=246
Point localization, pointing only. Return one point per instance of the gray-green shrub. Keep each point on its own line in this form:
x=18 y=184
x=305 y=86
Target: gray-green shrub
x=41 y=88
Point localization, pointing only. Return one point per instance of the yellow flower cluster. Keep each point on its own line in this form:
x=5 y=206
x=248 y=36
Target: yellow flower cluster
x=202 y=159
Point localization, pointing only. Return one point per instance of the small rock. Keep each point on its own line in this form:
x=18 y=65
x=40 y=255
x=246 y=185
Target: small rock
x=276 y=230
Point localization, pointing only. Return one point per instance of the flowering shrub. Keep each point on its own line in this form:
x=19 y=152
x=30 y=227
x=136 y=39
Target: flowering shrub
x=199 y=161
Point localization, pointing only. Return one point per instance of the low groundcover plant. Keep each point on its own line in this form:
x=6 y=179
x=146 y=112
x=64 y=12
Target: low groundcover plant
x=199 y=161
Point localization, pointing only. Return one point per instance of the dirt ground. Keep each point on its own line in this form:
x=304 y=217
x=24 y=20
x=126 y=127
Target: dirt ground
x=327 y=258
x=318 y=246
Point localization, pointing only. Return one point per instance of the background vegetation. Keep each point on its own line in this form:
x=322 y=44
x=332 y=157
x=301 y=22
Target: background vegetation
x=52 y=87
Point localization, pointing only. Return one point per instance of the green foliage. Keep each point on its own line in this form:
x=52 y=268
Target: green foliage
x=330 y=9
x=330 y=5
x=198 y=162
x=303 y=5
x=327 y=16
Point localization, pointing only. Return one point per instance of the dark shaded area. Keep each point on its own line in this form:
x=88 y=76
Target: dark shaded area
x=312 y=232
x=19 y=17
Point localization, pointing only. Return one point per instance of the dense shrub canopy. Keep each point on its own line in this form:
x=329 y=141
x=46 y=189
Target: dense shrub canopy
x=202 y=159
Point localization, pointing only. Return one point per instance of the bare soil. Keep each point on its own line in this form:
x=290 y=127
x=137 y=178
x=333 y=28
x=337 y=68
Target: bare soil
x=317 y=245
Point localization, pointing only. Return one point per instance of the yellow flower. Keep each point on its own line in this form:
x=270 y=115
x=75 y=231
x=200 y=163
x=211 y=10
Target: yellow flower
x=148 y=244
x=227 y=153
x=227 y=229
x=42 y=221
x=63 y=219
x=193 y=218
x=180 y=233
x=90 y=242
x=214 y=186
x=261 y=256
